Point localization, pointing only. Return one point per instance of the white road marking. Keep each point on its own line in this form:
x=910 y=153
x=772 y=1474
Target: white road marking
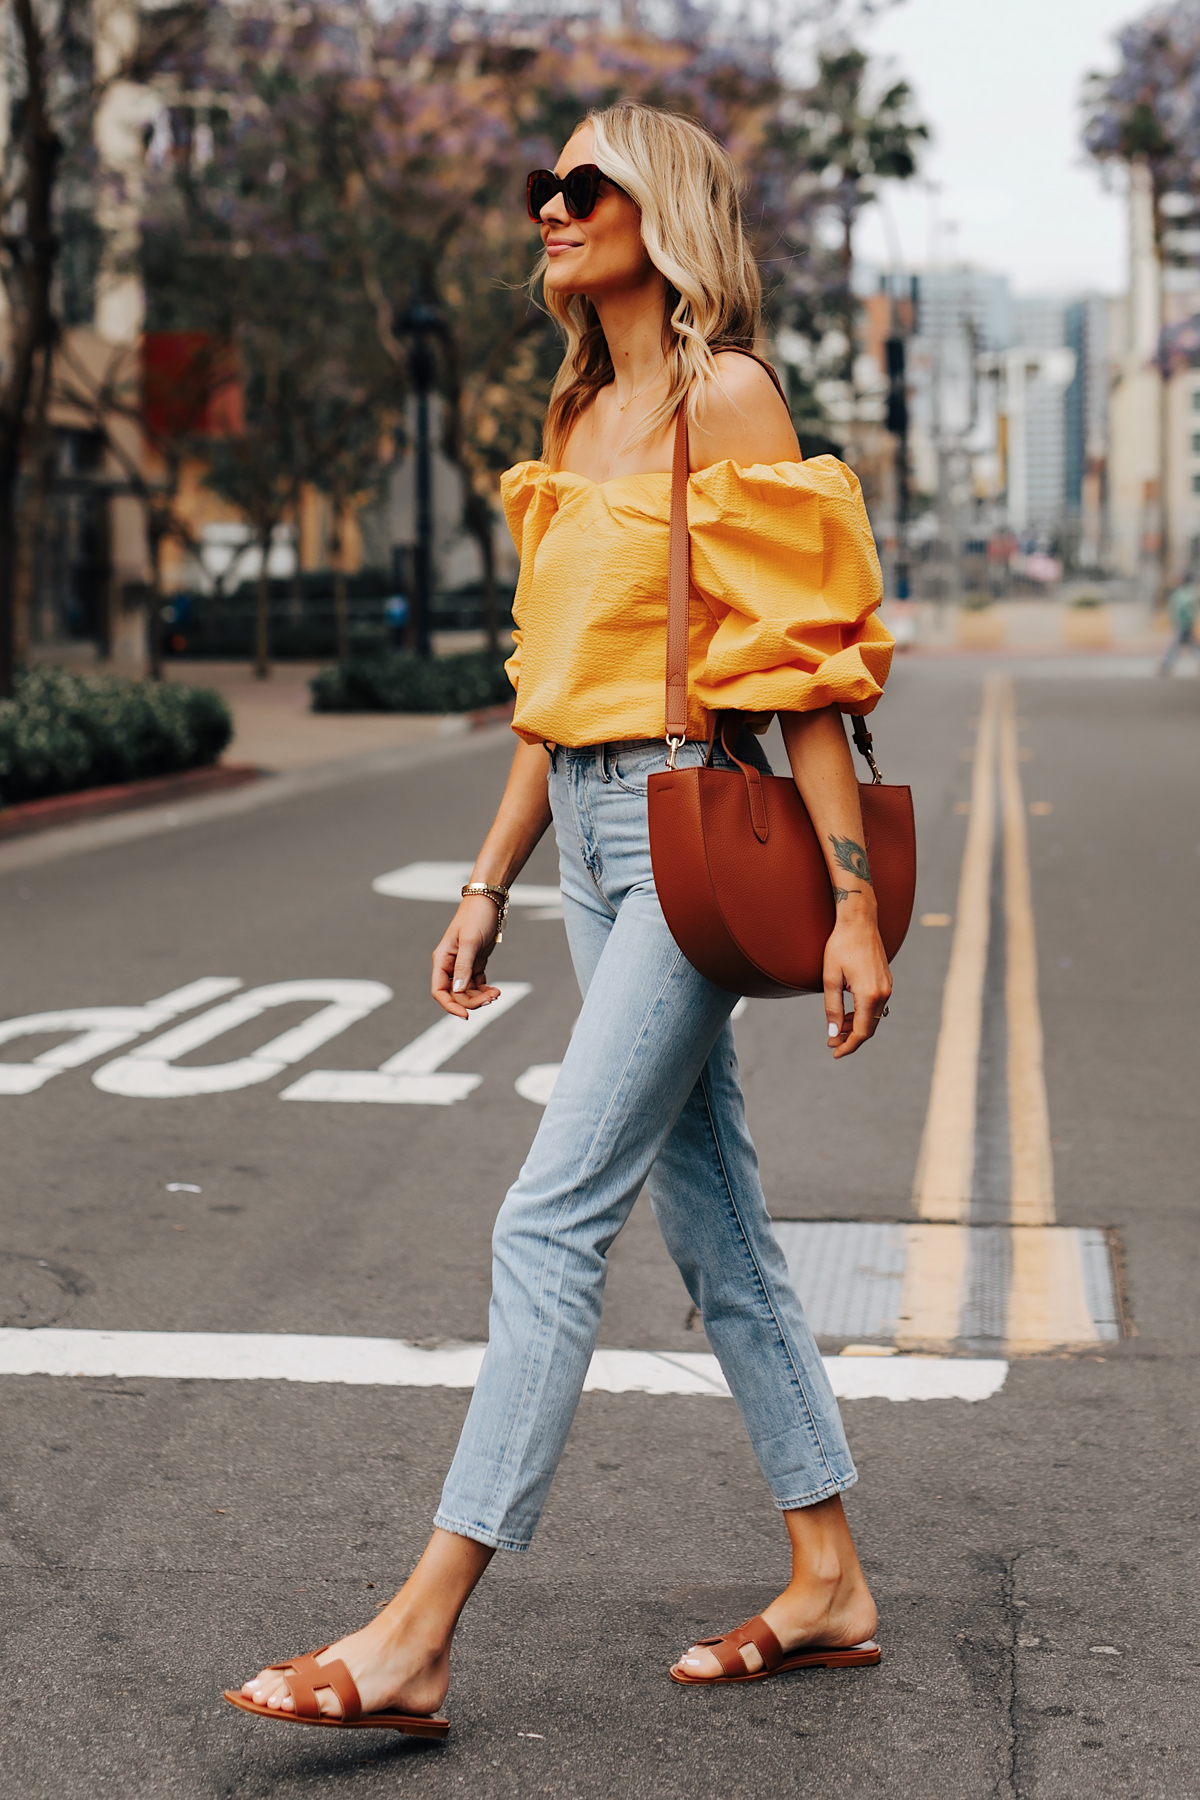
x=101 y=1029
x=390 y=1362
x=409 y=1078
x=916 y=1377
x=445 y=881
x=537 y=1083
x=150 y=1073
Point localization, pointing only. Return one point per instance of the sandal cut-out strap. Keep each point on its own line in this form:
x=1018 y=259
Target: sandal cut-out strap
x=728 y=1648
x=304 y=1676
x=775 y=1660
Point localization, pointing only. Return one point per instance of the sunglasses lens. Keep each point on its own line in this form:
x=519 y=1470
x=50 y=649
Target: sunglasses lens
x=581 y=190
x=540 y=188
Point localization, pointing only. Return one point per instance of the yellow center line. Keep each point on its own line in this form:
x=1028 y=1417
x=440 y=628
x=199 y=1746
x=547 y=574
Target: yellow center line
x=1047 y=1302
x=1028 y=1111
x=934 y=1286
x=942 y=1189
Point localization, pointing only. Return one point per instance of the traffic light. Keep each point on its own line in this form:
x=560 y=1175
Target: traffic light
x=897 y=403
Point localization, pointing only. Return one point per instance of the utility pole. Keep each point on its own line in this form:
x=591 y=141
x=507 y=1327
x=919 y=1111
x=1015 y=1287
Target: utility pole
x=897 y=424
x=1163 y=360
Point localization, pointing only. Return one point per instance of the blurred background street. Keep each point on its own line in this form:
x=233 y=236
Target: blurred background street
x=266 y=348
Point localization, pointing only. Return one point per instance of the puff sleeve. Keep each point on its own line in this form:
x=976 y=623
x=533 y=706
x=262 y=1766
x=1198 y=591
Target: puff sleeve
x=784 y=559
x=530 y=501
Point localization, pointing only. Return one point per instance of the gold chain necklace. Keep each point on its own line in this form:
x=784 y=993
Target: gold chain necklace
x=642 y=390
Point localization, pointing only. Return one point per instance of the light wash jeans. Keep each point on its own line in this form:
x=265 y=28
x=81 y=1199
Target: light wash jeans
x=648 y=1096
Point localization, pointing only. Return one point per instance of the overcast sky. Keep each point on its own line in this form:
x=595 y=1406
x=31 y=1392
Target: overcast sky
x=999 y=82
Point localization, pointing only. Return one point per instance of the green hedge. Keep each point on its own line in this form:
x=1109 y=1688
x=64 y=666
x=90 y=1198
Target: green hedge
x=61 y=732
x=403 y=682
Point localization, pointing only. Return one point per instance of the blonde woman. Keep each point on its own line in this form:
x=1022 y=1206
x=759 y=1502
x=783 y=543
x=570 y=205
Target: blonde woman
x=647 y=270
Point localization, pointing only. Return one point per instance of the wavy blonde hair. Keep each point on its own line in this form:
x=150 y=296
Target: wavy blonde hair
x=687 y=189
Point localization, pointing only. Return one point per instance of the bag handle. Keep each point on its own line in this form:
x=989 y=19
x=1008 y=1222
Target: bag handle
x=862 y=743
x=678 y=589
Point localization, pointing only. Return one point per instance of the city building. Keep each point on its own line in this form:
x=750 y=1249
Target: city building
x=1036 y=486
x=1008 y=413
x=1154 y=425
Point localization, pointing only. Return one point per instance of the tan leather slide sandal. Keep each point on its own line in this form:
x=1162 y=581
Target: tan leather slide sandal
x=304 y=1675
x=756 y=1631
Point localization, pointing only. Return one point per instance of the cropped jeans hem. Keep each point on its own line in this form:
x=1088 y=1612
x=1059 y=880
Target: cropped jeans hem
x=827 y=1491
x=480 y=1534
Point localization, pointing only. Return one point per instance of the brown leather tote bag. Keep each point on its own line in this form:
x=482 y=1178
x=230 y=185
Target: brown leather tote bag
x=739 y=871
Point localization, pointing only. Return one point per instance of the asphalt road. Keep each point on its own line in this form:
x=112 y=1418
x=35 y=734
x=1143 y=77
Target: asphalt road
x=1033 y=1554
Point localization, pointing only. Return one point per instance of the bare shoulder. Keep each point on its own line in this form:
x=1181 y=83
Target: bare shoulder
x=744 y=420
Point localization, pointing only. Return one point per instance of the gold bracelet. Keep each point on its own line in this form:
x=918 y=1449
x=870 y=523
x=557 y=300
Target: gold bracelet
x=498 y=897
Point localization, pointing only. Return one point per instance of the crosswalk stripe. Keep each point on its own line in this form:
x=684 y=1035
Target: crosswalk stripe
x=390 y=1362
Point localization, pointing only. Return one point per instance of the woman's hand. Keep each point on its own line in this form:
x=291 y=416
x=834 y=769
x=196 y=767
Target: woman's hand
x=854 y=956
x=855 y=960
x=460 y=960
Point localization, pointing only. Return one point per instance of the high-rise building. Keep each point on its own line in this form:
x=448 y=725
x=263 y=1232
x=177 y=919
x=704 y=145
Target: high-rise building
x=1040 y=325
x=990 y=431
x=954 y=302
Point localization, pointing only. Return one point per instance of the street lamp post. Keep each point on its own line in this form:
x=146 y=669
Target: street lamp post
x=421 y=323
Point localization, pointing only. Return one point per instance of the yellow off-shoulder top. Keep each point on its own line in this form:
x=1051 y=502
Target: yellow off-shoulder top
x=785 y=586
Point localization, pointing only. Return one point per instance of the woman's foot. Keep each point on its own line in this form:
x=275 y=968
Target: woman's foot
x=795 y=1624
x=400 y=1662
x=394 y=1666
x=827 y=1600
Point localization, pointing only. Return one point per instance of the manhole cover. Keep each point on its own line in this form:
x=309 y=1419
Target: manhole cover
x=34 y=1291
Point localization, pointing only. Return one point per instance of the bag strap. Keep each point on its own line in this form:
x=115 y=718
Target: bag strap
x=678 y=582
x=678 y=571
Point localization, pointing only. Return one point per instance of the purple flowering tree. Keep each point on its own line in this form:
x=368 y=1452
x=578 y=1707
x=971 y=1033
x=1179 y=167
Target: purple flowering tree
x=57 y=85
x=328 y=169
x=1146 y=115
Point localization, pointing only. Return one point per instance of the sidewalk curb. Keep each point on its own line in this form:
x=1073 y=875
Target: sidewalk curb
x=96 y=803
x=151 y=821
